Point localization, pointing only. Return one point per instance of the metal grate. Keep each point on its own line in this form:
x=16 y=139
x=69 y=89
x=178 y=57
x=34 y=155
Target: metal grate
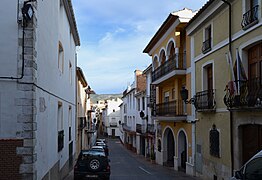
x=214 y=141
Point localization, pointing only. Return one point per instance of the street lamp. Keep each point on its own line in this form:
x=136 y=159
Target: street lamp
x=142 y=115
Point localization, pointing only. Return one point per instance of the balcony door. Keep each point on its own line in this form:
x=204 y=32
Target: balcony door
x=254 y=72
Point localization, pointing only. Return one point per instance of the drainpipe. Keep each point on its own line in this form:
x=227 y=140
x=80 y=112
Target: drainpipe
x=230 y=112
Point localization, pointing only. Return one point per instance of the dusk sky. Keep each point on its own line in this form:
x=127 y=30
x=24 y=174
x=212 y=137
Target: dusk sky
x=113 y=35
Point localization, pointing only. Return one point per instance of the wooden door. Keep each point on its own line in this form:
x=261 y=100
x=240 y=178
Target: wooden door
x=251 y=141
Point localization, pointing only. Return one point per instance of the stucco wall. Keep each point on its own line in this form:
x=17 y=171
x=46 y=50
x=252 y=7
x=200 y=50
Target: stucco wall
x=52 y=28
x=9 y=65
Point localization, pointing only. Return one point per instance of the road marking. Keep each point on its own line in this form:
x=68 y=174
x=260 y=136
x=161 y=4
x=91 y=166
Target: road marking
x=144 y=170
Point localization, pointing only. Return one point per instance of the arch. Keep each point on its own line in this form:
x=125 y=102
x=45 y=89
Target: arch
x=182 y=151
x=162 y=56
x=168 y=147
x=170 y=48
x=155 y=62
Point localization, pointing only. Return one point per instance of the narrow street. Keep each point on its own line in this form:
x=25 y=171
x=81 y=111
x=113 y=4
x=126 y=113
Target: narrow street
x=128 y=165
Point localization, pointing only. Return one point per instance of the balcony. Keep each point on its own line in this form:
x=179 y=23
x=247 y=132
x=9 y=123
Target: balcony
x=151 y=129
x=205 y=100
x=175 y=62
x=113 y=124
x=206 y=46
x=250 y=18
x=170 y=109
x=248 y=98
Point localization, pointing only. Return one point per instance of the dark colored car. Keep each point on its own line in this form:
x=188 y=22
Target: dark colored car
x=252 y=169
x=92 y=164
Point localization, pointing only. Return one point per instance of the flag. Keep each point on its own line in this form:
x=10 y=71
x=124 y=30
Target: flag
x=239 y=73
x=231 y=86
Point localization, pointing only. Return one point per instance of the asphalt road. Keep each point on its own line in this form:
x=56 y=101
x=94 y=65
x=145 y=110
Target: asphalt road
x=126 y=165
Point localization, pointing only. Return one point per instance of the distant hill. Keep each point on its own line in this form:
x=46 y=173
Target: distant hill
x=97 y=97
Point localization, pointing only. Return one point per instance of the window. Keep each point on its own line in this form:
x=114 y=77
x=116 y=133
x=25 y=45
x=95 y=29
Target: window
x=70 y=73
x=60 y=116
x=166 y=97
x=207 y=39
x=70 y=122
x=60 y=58
x=209 y=73
x=250 y=15
x=214 y=142
x=125 y=108
x=143 y=103
x=138 y=104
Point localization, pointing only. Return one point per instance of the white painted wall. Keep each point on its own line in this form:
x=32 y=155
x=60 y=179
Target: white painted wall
x=9 y=64
x=52 y=28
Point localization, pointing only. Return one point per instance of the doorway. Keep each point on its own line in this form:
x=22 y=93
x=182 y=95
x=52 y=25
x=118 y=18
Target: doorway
x=182 y=151
x=251 y=141
x=113 y=133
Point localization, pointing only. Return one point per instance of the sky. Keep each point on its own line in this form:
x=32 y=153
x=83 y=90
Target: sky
x=113 y=35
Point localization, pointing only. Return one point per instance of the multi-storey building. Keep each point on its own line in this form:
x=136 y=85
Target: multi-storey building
x=132 y=122
x=38 y=42
x=170 y=72
x=84 y=133
x=150 y=140
x=111 y=117
x=226 y=53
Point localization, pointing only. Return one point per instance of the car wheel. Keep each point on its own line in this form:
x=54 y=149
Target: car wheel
x=94 y=164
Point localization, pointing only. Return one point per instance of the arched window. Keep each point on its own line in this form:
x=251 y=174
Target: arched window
x=162 y=57
x=155 y=63
x=60 y=57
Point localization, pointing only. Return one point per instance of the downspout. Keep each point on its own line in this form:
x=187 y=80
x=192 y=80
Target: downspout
x=230 y=112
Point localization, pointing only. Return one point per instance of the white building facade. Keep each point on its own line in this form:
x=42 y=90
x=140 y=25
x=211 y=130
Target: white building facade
x=37 y=94
x=111 y=117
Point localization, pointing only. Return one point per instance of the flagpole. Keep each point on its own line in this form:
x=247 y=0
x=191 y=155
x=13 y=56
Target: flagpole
x=232 y=71
x=238 y=72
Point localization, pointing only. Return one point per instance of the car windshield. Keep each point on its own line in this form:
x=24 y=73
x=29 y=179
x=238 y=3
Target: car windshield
x=254 y=169
x=93 y=153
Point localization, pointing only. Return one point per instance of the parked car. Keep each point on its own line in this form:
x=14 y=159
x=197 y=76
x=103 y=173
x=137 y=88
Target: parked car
x=104 y=146
x=92 y=164
x=101 y=140
x=252 y=170
x=98 y=148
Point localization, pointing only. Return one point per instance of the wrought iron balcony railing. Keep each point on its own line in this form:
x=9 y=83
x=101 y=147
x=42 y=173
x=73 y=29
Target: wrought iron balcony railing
x=250 y=18
x=171 y=109
x=205 y=100
x=206 y=46
x=175 y=62
x=249 y=95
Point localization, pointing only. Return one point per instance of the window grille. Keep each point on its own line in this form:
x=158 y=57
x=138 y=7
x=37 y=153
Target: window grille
x=214 y=141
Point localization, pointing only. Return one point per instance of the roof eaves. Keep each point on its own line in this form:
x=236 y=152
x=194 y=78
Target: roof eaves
x=161 y=31
x=81 y=76
x=201 y=10
x=72 y=21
